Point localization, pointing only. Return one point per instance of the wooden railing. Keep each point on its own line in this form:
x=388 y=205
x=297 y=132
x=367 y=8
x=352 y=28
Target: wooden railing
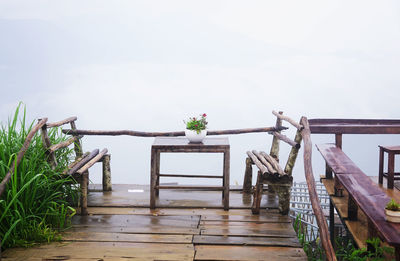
x=316 y=206
x=20 y=155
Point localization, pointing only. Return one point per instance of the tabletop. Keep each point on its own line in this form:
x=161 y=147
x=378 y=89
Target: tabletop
x=217 y=142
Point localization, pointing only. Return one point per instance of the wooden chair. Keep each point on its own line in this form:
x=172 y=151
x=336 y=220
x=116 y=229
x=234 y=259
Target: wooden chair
x=79 y=168
x=278 y=179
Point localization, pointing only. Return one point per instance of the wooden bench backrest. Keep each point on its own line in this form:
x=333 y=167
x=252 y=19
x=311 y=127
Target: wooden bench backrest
x=366 y=194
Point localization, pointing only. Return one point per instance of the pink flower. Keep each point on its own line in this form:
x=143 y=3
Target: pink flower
x=204 y=115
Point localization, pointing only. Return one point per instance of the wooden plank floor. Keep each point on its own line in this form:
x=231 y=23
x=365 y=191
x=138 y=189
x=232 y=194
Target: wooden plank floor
x=120 y=232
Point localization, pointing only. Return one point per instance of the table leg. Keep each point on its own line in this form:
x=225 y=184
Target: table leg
x=226 y=180
x=391 y=171
x=381 y=160
x=153 y=179
x=157 y=172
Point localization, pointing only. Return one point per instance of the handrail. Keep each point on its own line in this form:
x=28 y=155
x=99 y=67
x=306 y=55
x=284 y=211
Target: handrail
x=21 y=153
x=316 y=206
x=174 y=133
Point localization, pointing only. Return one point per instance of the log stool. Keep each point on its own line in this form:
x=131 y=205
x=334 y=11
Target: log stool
x=390 y=174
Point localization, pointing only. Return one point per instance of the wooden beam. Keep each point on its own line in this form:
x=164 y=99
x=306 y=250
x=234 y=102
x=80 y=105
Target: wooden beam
x=64 y=144
x=170 y=134
x=284 y=138
x=274 y=151
x=60 y=123
x=289 y=120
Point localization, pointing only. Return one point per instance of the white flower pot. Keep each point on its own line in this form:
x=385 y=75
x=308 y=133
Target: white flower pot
x=195 y=137
x=392 y=216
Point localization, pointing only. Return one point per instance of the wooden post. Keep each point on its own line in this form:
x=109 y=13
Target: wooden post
x=107 y=185
x=77 y=143
x=153 y=179
x=158 y=172
x=248 y=176
x=47 y=143
x=338 y=140
x=226 y=170
x=284 y=198
x=84 y=193
x=274 y=152
x=258 y=190
x=293 y=154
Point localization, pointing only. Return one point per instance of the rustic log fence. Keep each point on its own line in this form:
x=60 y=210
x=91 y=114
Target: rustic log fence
x=20 y=155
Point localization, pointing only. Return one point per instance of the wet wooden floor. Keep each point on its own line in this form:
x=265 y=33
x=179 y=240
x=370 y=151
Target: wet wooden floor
x=188 y=225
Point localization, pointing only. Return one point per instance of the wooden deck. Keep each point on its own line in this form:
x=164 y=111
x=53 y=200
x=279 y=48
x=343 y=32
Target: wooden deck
x=190 y=225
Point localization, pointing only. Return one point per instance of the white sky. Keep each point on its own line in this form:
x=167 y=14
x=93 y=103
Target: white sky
x=147 y=65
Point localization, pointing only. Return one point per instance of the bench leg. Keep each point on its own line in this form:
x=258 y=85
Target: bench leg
x=248 y=176
x=107 y=173
x=258 y=191
x=84 y=193
x=284 y=199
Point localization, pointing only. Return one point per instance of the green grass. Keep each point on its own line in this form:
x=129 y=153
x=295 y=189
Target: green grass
x=36 y=203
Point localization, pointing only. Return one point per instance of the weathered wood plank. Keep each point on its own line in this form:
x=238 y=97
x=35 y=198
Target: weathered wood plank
x=248 y=253
x=175 y=211
x=266 y=218
x=103 y=251
x=246 y=241
x=337 y=160
x=135 y=221
x=87 y=236
x=249 y=231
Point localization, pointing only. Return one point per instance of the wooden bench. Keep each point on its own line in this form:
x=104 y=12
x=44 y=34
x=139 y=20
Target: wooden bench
x=79 y=168
x=278 y=179
x=363 y=193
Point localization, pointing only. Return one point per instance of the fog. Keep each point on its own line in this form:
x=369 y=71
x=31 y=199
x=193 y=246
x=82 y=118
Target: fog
x=149 y=65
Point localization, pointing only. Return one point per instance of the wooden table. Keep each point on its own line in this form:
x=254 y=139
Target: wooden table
x=182 y=145
x=390 y=174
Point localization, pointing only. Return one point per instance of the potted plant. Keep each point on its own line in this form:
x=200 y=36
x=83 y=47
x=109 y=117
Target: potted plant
x=196 y=128
x=392 y=211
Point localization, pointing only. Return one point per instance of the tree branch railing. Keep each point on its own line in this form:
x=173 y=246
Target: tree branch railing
x=316 y=206
x=169 y=134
